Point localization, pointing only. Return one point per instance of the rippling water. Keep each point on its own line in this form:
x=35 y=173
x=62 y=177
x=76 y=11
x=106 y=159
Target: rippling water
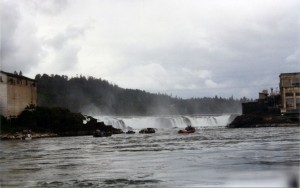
x=213 y=156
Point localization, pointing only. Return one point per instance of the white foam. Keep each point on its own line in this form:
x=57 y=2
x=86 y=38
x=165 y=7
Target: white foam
x=139 y=122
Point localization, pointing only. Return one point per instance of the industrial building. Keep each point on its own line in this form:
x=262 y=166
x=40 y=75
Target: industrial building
x=16 y=93
x=290 y=92
x=287 y=102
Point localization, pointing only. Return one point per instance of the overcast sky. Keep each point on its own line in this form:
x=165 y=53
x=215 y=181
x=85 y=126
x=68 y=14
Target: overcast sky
x=191 y=48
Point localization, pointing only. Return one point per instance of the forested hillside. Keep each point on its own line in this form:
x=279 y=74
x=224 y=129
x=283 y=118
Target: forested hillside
x=96 y=96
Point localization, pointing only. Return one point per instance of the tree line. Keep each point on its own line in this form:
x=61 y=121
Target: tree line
x=91 y=95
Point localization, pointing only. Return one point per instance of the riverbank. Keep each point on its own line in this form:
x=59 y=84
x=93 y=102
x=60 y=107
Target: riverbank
x=260 y=120
x=19 y=135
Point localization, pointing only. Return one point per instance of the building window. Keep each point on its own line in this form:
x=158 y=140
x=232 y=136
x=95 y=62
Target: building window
x=289 y=103
x=289 y=94
x=298 y=103
x=297 y=94
x=11 y=81
x=296 y=82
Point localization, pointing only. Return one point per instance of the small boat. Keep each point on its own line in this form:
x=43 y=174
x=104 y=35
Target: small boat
x=191 y=130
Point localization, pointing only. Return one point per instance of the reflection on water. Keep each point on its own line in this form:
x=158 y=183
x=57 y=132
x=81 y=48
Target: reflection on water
x=213 y=156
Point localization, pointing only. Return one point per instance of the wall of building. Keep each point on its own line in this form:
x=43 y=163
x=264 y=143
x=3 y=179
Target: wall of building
x=17 y=92
x=290 y=92
x=3 y=94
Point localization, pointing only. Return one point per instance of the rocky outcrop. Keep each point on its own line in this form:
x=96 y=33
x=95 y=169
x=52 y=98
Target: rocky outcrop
x=47 y=122
x=255 y=120
x=130 y=132
x=147 y=131
x=93 y=125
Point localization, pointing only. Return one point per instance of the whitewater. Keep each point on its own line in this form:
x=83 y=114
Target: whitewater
x=166 y=122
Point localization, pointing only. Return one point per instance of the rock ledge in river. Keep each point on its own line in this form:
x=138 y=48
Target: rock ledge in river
x=147 y=131
x=254 y=120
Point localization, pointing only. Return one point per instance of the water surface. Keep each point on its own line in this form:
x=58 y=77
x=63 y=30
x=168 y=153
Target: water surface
x=213 y=156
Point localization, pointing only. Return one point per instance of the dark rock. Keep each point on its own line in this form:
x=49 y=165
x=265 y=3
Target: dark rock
x=130 y=132
x=59 y=121
x=99 y=133
x=255 y=120
x=147 y=131
x=94 y=125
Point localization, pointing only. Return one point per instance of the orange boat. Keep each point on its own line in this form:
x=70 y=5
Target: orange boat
x=192 y=130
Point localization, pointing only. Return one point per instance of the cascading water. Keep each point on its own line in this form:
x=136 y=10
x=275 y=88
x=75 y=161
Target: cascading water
x=165 y=122
x=211 y=120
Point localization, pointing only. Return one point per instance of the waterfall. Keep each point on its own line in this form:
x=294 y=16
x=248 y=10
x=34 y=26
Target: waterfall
x=165 y=122
x=114 y=121
x=210 y=120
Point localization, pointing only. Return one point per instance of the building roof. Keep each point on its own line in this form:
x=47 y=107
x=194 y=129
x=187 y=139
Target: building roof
x=289 y=74
x=17 y=76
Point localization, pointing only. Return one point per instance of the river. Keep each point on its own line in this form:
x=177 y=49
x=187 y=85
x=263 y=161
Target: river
x=214 y=156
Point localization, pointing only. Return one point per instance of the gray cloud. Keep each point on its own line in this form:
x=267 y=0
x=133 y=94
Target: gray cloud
x=65 y=48
x=9 y=21
x=20 y=48
x=248 y=51
x=61 y=40
x=189 y=49
x=51 y=7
